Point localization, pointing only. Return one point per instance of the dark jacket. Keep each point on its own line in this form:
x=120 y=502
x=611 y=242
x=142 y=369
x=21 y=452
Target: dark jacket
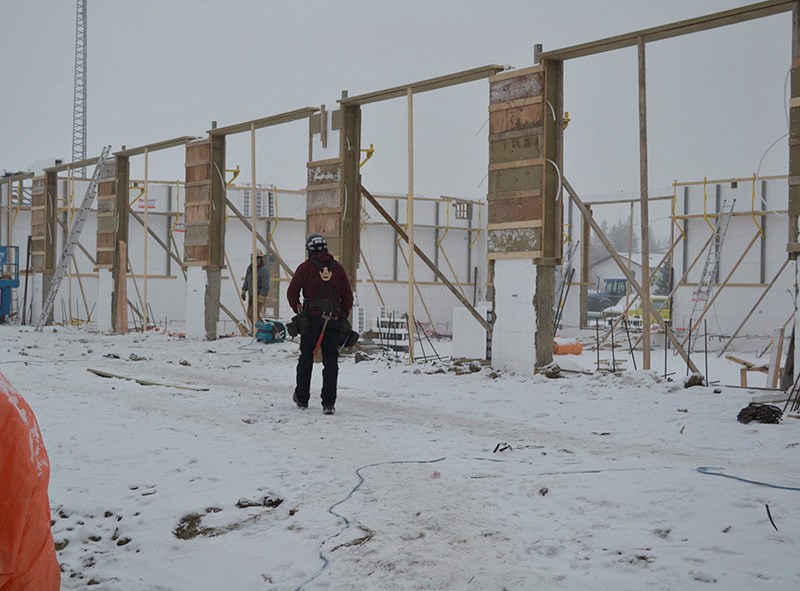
x=317 y=292
x=263 y=279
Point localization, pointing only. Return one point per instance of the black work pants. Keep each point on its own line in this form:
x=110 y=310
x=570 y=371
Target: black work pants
x=330 y=360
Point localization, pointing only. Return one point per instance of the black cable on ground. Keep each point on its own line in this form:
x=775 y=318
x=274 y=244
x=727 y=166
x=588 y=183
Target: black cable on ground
x=325 y=561
x=708 y=470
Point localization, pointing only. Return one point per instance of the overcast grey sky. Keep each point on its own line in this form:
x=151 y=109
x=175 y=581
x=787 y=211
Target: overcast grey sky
x=164 y=68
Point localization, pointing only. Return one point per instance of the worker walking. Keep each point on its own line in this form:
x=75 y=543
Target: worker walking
x=327 y=298
x=262 y=288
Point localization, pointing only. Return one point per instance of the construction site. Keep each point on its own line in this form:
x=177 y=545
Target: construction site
x=520 y=344
x=89 y=244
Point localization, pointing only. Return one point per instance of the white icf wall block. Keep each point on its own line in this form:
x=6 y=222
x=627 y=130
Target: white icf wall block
x=105 y=287
x=515 y=318
x=469 y=337
x=195 y=303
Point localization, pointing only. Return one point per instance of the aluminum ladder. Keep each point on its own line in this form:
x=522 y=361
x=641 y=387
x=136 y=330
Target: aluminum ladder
x=705 y=286
x=72 y=240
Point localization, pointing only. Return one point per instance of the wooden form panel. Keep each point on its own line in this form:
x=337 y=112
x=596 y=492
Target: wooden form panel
x=204 y=234
x=515 y=118
x=514 y=180
x=516 y=164
x=515 y=85
x=108 y=198
x=515 y=209
x=38 y=224
x=324 y=201
x=513 y=147
x=512 y=243
x=324 y=172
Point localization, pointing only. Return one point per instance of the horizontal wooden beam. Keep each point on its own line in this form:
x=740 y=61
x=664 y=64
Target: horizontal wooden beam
x=73 y=165
x=423 y=85
x=633 y=200
x=676 y=29
x=731 y=180
x=287 y=117
x=13 y=178
x=155 y=147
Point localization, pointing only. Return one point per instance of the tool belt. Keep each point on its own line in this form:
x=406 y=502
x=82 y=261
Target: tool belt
x=298 y=325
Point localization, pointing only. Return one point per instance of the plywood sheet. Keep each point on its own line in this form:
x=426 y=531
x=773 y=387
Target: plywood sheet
x=196 y=235
x=528 y=178
x=327 y=224
x=198 y=152
x=322 y=174
x=325 y=199
x=515 y=209
x=104 y=259
x=106 y=205
x=514 y=240
x=516 y=118
x=196 y=253
x=198 y=172
x=195 y=193
x=106 y=223
x=517 y=148
x=510 y=89
x=197 y=212
x=105 y=239
x=107 y=188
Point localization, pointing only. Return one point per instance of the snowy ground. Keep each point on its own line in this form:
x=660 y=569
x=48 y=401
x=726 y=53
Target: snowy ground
x=426 y=478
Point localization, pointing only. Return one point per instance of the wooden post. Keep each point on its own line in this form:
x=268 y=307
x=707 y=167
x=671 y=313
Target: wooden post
x=121 y=289
x=410 y=224
x=545 y=297
x=794 y=168
x=146 y=202
x=645 y=221
x=115 y=234
x=350 y=191
x=253 y=262
x=773 y=372
x=586 y=250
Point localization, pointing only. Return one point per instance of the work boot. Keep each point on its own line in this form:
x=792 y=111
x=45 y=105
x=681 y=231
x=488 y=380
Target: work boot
x=298 y=403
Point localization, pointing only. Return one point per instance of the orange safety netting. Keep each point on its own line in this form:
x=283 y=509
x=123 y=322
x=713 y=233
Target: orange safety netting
x=27 y=553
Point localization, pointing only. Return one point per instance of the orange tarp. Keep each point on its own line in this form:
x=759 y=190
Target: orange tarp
x=27 y=554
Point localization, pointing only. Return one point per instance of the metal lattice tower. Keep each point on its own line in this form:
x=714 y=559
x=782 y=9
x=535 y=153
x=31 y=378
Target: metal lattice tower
x=79 y=97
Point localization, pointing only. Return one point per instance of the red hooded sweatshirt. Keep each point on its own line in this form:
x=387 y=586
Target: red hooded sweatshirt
x=326 y=283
